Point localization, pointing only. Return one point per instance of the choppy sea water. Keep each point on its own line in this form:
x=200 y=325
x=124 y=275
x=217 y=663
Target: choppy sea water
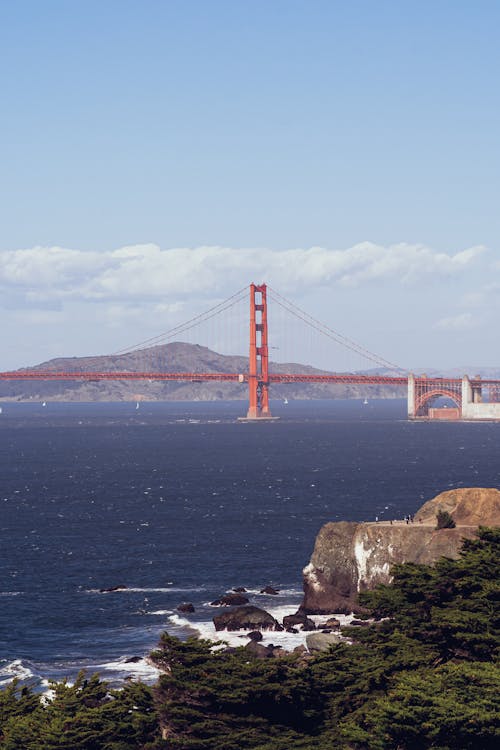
x=181 y=502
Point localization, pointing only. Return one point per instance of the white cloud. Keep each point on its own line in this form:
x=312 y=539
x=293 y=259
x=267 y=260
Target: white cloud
x=148 y=272
x=461 y=322
x=39 y=267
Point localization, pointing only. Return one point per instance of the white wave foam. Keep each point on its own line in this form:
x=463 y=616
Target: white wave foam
x=139 y=669
x=183 y=622
x=16 y=668
x=10 y=593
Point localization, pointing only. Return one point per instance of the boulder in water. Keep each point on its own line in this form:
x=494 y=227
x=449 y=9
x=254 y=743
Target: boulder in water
x=270 y=590
x=246 y=618
x=299 y=618
x=255 y=635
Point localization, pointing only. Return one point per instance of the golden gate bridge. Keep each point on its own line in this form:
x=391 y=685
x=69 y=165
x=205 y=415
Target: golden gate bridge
x=473 y=398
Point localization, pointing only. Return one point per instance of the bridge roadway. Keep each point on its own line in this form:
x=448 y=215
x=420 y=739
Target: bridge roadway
x=467 y=394
x=344 y=378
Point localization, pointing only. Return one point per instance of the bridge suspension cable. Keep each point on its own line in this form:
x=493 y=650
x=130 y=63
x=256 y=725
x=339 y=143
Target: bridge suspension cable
x=188 y=324
x=330 y=332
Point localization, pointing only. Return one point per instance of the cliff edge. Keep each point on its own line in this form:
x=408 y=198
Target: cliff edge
x=349 y=557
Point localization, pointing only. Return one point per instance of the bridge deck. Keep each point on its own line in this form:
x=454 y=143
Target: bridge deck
x=346 y=378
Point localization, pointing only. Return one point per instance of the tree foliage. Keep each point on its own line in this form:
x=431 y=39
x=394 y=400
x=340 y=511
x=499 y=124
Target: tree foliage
x=82 y=716
x=444 y=520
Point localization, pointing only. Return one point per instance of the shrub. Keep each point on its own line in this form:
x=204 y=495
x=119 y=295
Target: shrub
x=444 y=520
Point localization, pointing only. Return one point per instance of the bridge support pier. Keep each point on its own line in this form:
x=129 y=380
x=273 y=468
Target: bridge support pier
x=258 y=365
x=411 y=396
x=473 y=406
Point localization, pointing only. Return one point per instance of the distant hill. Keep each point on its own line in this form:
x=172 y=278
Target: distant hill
x=175 y=357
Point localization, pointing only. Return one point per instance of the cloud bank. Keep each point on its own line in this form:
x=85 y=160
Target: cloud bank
x=410 y=302
x=146 y=272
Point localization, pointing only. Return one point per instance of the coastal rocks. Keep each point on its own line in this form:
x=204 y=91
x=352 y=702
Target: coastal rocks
x=230 y=600
x=109 y=590
x=331 y=624
x=299 y=618
x=330 y=579
x=269 y=590
x=351 y=557
x=185 y=607
x=240 y=590
x=246 y=618
x=255 y=635
x=323 y=641
x=258 y=651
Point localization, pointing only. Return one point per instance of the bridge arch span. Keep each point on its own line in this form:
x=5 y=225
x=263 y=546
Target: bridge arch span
x=425 y=399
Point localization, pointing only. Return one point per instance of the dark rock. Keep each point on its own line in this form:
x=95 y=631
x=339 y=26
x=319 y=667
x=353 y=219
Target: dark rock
x=230 y=600
x=240 y=589
x=292 y=630
x=112 y=588
x=258 y=651
x=269 y=590
x=331 y=623
x=246 y=618
x=299 y=618
x=255 y=635
x=185 y=607
x=359 y=623
x=133 y=660
x=309 y=625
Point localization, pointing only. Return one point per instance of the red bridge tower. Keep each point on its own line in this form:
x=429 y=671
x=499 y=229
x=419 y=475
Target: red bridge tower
x=258 y=372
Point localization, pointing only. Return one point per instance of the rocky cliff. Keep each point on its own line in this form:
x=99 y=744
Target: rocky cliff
x=352 y=557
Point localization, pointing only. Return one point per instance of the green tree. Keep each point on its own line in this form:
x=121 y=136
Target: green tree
x=82 y=716
x=444 y=520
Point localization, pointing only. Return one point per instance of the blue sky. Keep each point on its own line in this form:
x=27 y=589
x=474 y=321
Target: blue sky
x=228 y=134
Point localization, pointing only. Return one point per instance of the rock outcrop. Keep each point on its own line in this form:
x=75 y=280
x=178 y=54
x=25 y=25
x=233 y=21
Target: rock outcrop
x=350 y=557
x=246 y=618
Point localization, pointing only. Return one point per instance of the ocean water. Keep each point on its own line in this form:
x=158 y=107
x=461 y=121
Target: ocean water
x=181 y=502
